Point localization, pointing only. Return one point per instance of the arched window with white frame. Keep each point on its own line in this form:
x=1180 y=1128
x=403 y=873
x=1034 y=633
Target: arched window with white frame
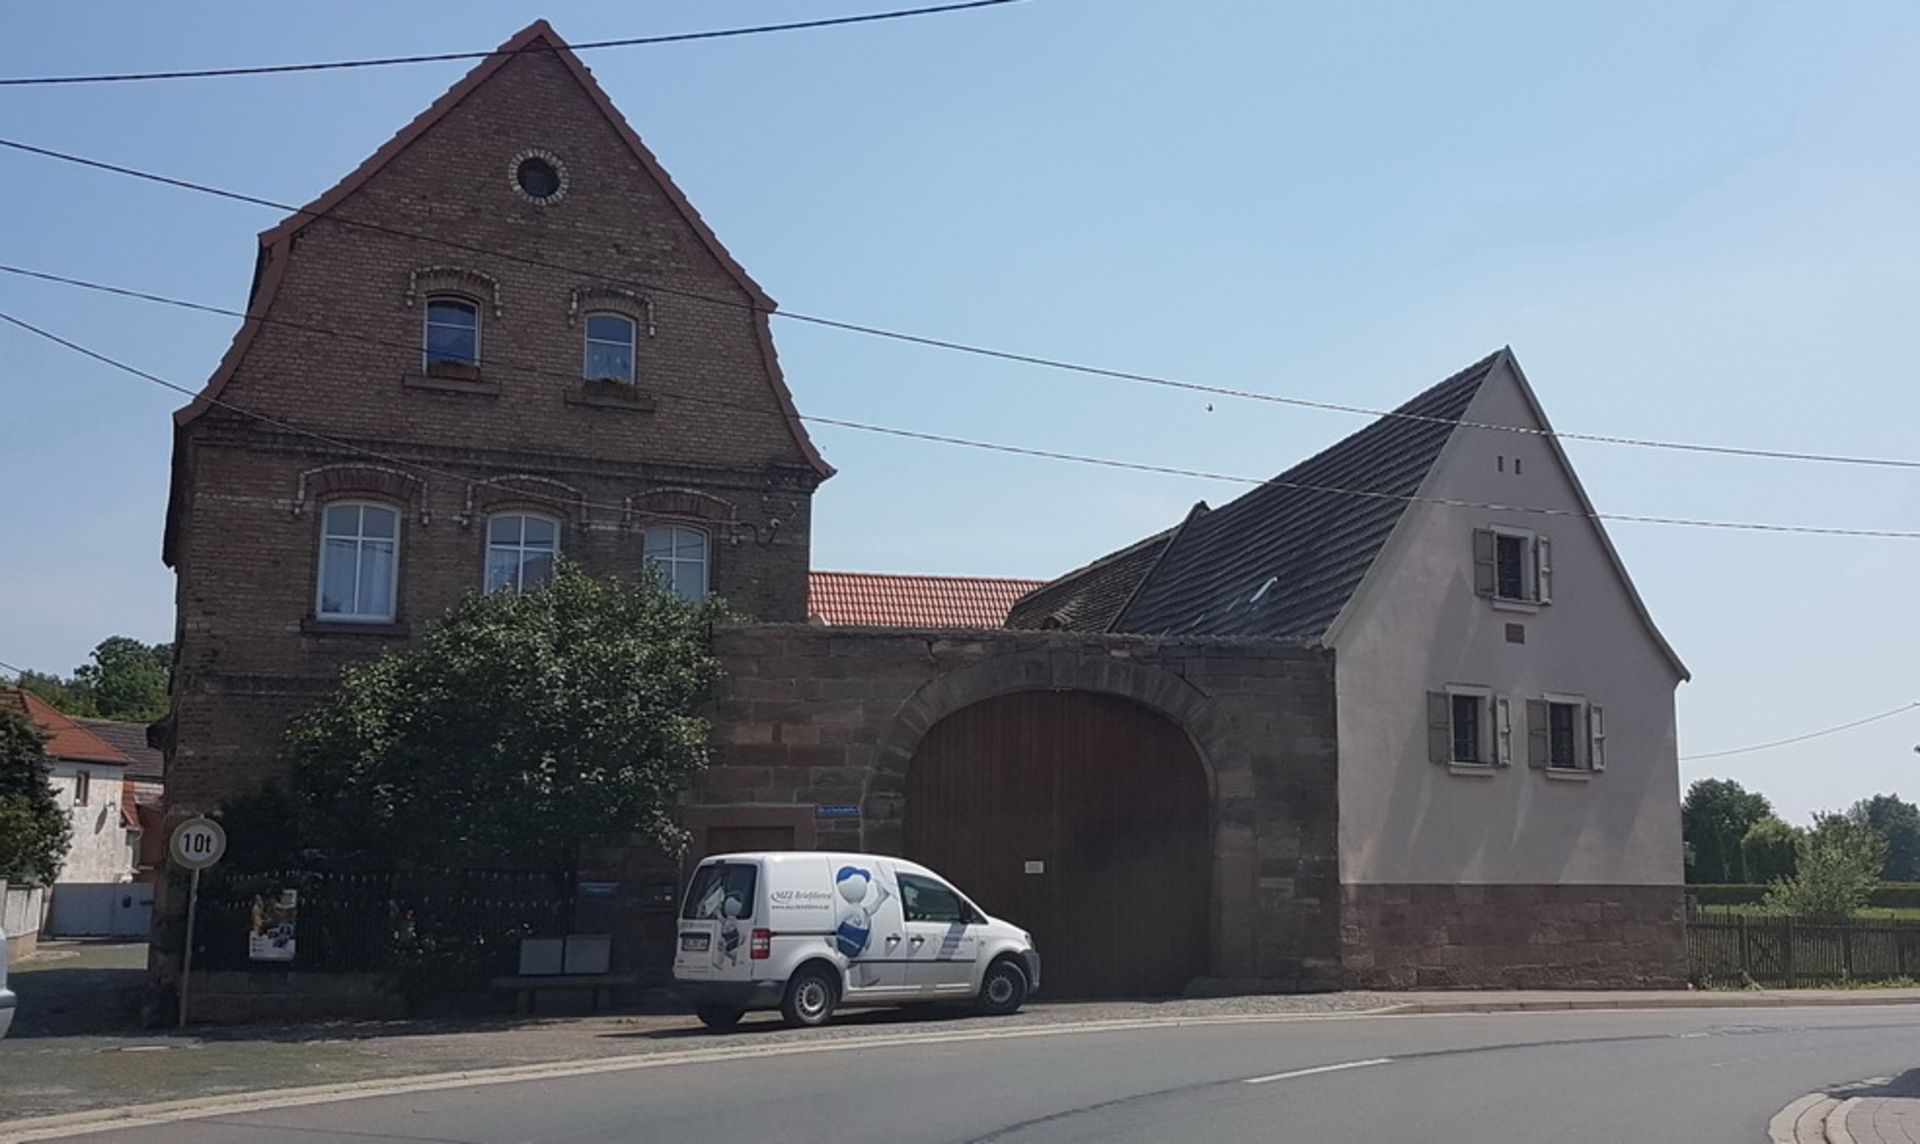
x=359 y=562
x=451 y=336
x=609 y=348
x=680 y=553
x=521 y=549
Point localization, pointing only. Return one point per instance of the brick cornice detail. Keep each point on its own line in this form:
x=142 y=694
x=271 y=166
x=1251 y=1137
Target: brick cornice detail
x=611 y=300
x=331 y=482
x=428 y=280
x=682 y=504
x=542 y=494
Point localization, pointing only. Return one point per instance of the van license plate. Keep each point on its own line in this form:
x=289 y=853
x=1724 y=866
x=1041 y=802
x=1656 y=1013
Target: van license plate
x=694 y=942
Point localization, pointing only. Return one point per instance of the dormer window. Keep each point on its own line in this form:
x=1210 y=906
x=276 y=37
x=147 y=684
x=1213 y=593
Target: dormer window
x=1512 y=566
x=451 y=342
x=609 y=348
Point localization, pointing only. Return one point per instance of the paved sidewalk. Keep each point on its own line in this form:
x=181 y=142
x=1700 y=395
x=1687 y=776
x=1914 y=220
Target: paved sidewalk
x=1885 y=1110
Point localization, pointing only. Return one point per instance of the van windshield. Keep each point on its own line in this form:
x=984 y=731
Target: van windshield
x=721 y=889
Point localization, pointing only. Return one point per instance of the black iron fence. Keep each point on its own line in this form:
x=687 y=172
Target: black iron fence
x=370 y=922
x=1788 y=953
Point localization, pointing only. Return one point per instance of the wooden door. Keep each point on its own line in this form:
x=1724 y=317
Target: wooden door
x=1081 y=817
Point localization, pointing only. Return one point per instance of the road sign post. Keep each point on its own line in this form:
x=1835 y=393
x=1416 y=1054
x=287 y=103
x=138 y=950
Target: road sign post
x=195 y=845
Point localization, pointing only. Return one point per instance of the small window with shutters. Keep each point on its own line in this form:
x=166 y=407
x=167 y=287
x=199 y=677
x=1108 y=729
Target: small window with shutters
x=1512 y=566
x=1566 y=735
x=1467 y=726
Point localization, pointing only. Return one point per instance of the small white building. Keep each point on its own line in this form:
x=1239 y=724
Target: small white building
x=88 y=776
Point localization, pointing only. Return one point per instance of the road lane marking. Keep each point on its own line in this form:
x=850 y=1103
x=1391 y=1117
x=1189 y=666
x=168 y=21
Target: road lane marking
x=1318 y=1069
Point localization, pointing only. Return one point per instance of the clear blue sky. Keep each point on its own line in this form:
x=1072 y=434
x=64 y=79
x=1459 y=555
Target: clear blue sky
x=1693 y=221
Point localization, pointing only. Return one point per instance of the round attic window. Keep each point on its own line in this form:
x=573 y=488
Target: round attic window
x=538 y=177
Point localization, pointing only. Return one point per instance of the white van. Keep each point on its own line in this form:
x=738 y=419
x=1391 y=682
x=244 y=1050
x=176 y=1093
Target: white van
x=806 y=932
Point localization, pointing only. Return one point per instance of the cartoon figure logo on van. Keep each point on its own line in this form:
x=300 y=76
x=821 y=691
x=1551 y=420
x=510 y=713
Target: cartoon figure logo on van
x=860 y=896
x=726 y=951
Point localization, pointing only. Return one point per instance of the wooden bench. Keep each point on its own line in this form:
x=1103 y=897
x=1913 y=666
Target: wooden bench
x=526 y=989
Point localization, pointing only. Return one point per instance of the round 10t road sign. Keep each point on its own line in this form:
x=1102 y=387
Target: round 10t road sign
x=197 y=843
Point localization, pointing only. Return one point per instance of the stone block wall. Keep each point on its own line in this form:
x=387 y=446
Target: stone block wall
x=1513 y=936
x=815 y=717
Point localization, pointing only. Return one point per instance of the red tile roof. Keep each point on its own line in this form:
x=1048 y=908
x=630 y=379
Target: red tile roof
x=887 y=600
x=67 y=739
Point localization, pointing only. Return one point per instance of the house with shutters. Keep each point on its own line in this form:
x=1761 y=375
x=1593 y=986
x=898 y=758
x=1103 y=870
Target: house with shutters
x=1508 y=784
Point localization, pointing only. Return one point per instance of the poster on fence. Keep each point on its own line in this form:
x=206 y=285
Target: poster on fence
x=271 y=937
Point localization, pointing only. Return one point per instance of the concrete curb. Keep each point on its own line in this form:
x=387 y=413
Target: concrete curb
x=1677 y=1001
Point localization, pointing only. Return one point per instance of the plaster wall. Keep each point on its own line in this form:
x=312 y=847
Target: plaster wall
x=1420 y=627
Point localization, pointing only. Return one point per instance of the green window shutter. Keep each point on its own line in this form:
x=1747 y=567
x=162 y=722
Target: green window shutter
x=1543 y=569
x=1439 y=727
x=1596 y=737
x=1484 y=579
x=1503 y=732
x=1538 y=747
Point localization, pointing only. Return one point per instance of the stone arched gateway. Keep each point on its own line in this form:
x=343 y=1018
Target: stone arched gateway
x=818 y=730
x=1085 y=818
x=1071 y=795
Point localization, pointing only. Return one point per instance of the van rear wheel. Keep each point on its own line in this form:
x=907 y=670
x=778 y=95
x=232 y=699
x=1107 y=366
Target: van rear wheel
x=1003 y=990
x=718 y=1017
x=811 y=996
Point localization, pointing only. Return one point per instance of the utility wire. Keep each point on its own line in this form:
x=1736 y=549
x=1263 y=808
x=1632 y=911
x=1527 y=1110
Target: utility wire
x=995 y=447
x=1900 y=710
x=438 y=57
x=975 y=350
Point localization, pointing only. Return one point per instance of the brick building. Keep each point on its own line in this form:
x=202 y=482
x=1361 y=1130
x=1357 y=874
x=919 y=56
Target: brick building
x=505 y=335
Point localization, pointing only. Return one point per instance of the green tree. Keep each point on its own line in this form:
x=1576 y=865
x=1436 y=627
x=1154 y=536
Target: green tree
x=1839 y=865
x=1714 y=819
x=1770 y=849
x=519 y=727
x=1897 y=821
x=34 y=830
x=62 y=694
x=126 y=679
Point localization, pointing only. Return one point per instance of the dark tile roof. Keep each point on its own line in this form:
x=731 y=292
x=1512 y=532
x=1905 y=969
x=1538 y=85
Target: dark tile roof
x=1087 y=599
x=130 y=739
x=1315 y=544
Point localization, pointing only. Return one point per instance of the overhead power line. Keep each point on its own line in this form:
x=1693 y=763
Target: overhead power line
x=989 y=446
x=1900 y=710
x=971 y=349
x=439 y=57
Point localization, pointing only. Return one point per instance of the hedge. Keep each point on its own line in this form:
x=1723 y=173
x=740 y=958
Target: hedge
x=1887 y=895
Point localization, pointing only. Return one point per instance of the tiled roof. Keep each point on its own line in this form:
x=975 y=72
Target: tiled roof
x=1087 y=599
x=66 y=738
x=1314 y=546
x=883 y=599
x=130 y=739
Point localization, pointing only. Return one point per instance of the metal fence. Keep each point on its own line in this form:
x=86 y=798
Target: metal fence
x=1781 y=952
x=368 y=922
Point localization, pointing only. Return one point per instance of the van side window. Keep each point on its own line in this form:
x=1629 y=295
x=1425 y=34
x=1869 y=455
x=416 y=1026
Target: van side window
x=925 y=900
x=715 y=885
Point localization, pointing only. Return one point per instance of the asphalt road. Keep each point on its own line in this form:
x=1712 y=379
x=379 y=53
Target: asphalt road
x=1673 y=1075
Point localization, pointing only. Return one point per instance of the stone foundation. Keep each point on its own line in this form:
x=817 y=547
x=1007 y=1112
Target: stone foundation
x=1512 y=937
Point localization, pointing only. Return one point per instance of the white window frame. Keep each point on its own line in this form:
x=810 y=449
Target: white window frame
x=521 y=547
x=1489 y=735
x=588 y=341
x=1582 y=735
x=669 y=563
x=82 y=787
x=427 y=323
x=359 y=539
x=1529 y=575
